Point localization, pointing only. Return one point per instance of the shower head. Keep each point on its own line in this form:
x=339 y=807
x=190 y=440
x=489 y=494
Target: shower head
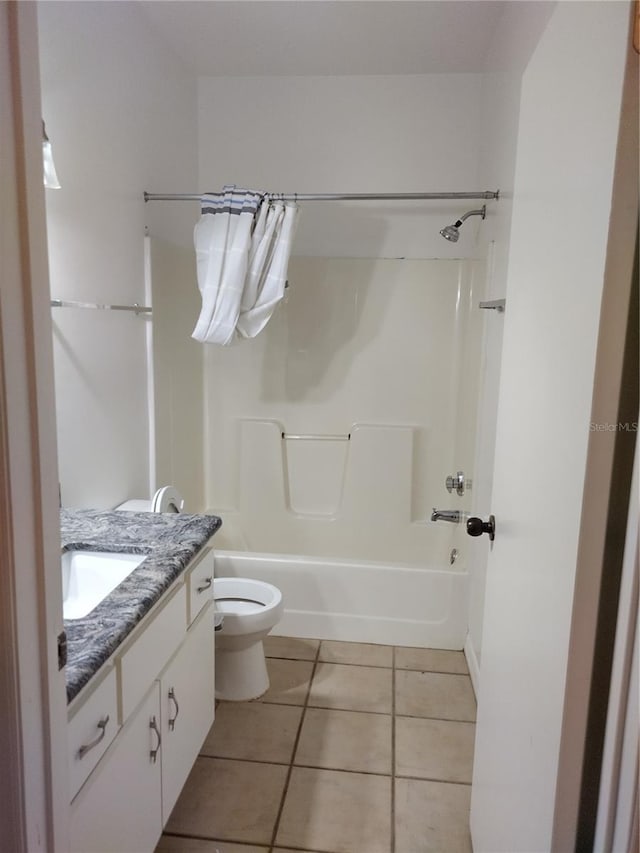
x=452 y=232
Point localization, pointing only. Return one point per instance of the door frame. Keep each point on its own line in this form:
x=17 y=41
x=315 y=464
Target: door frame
x=33 y=784
x=603 y=526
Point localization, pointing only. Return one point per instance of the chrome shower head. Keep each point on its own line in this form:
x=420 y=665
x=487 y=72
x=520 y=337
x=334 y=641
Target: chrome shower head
x=452 y=232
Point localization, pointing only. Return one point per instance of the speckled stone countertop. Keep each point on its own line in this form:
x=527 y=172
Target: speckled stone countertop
x=170 y=540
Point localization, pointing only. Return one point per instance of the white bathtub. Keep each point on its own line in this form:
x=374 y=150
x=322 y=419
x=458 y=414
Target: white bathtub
x=369 y=602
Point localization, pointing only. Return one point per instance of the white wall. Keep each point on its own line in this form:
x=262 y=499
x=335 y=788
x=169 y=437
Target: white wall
x=121 y=116
x=350 y=134
x=568 y=127
x=178 y=373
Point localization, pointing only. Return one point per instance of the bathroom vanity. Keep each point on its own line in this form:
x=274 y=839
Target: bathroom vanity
x=140 y=677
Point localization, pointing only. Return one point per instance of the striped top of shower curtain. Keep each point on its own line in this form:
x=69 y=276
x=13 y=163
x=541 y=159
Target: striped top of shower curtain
x=232 y=199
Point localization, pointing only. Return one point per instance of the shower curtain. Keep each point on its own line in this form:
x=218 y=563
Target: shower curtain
x=243 y=244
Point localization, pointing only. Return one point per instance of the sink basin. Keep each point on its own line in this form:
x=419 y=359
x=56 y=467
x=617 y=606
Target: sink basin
x=89 y=576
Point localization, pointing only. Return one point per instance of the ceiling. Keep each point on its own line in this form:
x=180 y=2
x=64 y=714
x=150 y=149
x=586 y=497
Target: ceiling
x=326 y=37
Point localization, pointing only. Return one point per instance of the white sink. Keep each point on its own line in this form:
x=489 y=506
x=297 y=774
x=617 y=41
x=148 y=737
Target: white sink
x=89 y=576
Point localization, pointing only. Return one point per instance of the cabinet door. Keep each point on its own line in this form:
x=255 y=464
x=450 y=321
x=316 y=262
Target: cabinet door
x=188 y=706
x=118 y=808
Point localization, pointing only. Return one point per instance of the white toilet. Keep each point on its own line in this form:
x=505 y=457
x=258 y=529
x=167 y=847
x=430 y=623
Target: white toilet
x=250 y=609
x=166 y=499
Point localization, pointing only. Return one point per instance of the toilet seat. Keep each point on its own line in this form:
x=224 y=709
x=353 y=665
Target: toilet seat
x=167 y=499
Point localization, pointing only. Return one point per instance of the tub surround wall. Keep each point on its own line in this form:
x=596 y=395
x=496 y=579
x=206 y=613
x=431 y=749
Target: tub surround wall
x=171 y=541
x=373 y=362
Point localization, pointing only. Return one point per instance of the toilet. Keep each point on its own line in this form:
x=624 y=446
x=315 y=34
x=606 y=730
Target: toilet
x=166 y=499
x=249 y=610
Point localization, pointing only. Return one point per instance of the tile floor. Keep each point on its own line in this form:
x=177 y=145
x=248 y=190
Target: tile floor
x=355 y=748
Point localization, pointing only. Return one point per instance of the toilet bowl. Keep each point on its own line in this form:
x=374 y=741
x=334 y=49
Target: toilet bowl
x=251 y=609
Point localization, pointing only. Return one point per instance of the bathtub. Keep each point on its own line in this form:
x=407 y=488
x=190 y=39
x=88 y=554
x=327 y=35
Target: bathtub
x=360 y=601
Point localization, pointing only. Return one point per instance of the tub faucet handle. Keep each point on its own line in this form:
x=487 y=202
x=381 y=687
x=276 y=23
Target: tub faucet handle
x=458 y=482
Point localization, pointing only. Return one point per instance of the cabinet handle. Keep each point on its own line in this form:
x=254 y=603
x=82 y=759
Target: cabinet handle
x=153 y=754
x=172 y=720
x=86 y=747
x=206 y=584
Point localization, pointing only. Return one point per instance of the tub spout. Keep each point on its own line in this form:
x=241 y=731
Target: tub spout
x=452 y=515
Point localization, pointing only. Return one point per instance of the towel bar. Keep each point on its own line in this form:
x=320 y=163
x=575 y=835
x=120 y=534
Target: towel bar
x=287 y=436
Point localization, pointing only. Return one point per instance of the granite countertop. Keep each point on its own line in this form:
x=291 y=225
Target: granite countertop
x=170 y=540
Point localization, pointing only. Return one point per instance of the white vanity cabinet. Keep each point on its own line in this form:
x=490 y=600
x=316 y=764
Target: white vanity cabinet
x=188 y=702
x=167 y=705
x=119 y=808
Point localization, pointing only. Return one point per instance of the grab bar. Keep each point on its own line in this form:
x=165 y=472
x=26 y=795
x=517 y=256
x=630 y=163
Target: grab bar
x=66 y=303
x=498 y=305
x=288 y=436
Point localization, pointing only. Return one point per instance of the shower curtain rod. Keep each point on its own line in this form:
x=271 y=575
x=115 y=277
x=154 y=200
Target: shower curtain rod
x=336 y=196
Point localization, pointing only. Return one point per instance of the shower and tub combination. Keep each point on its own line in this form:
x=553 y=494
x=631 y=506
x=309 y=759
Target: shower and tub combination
x=330 y=438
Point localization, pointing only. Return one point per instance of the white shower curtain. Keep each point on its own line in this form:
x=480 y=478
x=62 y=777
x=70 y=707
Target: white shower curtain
x=243 y=244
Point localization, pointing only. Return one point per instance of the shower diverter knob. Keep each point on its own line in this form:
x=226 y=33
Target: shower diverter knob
x=476 y=527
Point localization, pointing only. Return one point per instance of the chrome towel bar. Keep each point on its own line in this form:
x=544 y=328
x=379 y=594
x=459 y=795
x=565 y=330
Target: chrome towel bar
x=287 y=436
x=65 y=303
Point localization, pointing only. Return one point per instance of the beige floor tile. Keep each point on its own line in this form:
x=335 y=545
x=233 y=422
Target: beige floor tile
x=366 y=654
x=255 y=731
x=434 y=749
x=432 y=817
x=355 y=688
x=431 y=660
x=345 y=740
x=291 y=647
x=289 y=681
x=175 y=844
x=233 y=800
x=338 y=812
x=434 y=694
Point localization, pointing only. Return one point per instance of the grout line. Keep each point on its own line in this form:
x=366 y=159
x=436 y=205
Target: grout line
x=336 y=662
x=393 y=750
x=276 y=825
x=293 y=764
x=261 y=844
x=376 y=665
x=307 y=705
x=431 y=671
x=343 y=770
x=433 y=779
x=444 y=719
